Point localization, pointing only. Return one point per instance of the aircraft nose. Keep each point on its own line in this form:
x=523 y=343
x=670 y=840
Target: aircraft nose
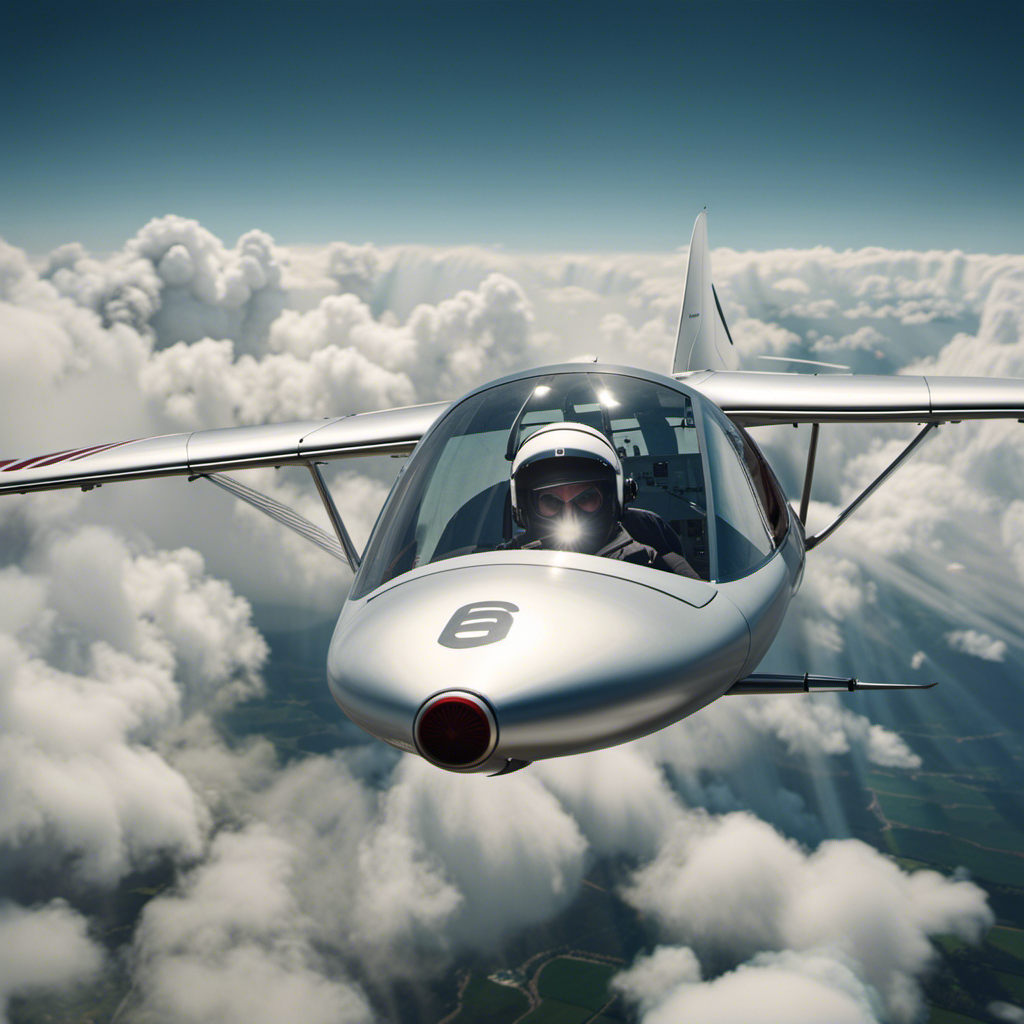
x=477 y=665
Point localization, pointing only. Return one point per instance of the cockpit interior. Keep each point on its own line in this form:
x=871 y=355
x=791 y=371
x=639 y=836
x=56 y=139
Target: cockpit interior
x=685 y=456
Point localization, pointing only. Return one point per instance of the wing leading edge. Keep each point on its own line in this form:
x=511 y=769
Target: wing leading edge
x=202 y=452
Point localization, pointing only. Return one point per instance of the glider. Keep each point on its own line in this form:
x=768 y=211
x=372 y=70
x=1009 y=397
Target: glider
x=466 y=642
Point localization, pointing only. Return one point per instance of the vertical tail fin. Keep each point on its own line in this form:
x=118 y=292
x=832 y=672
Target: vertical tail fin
x=703 y=341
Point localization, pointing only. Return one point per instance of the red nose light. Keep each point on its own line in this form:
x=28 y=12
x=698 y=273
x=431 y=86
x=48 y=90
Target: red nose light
x=455 y=731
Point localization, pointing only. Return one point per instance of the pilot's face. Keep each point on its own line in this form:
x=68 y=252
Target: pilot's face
x=567 y=500
x=572 y=517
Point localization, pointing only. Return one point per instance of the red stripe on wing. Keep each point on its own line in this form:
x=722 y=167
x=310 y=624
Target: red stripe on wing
x=101 y=448
x=69 y=454
x=51 y=458
x=28 y=463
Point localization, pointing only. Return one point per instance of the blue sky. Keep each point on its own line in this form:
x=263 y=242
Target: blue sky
x=527 y=125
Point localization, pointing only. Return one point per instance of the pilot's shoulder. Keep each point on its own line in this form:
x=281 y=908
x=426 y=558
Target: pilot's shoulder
x=640 y=515
x=625 y=547
x=649 y=528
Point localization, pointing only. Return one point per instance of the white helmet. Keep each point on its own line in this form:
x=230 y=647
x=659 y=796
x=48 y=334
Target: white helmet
x=567 y=453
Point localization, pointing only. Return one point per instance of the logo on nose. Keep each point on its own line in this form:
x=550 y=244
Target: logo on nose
x=473 y=625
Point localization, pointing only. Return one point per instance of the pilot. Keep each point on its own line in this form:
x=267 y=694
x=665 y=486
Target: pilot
x=568 y=492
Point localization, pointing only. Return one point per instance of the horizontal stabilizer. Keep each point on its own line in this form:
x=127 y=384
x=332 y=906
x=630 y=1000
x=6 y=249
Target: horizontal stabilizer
x=813 y=684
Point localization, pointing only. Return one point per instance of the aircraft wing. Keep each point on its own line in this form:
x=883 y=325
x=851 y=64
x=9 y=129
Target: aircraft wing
x=755 y=399
x=203 y=452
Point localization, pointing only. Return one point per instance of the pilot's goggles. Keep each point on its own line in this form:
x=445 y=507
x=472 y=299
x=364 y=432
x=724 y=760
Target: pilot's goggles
x=550 y=505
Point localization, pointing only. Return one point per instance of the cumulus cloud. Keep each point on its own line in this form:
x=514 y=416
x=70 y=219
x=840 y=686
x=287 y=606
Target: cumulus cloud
x=353 y=267
x=734 y=887
x=203 y=383
x=979 y=645
x=47 y=338
x=431 y=867
x=756 y=338
x=44 y=948
x=792 y=284
x=175 y=281
x=866 y=337
x=1012 y=530
x=650 y=344
x=1006 y=1011
x=770 y=989
x=825 y=727
x=650 y=978
x=231 y=944
x=91 y=676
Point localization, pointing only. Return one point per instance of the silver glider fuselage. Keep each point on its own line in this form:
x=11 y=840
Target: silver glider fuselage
x=567 y=652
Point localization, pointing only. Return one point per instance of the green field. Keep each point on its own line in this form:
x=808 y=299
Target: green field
x=938 y=1016
x=980 y=822
x=1009 y=940
x=946 y=852
x=1014 y=985
x=943 y=788
x=484 y=1000
x=551 y=1011
x=577 y=982
x=944 y=820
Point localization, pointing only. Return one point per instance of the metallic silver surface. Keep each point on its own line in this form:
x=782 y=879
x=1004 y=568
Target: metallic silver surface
x=763 y=597
x=754 y=399
x=371 y=433
x=592 y=651
x=130 y=460
x=955 y=398
x=202 y=452
x=592 y=657
x=703 y=340
x=273 y=444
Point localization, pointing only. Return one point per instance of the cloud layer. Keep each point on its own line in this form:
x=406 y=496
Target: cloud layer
x=319 y=883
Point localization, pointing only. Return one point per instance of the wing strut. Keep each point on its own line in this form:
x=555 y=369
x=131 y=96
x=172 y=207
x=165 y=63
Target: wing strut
x=336 y=521
x=813 y=684
x=817 y=538
x=280 y=513
x=812 y=453
x=343 y=549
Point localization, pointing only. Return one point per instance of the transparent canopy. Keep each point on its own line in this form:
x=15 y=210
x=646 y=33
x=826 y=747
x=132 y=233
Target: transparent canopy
x=453 y=497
